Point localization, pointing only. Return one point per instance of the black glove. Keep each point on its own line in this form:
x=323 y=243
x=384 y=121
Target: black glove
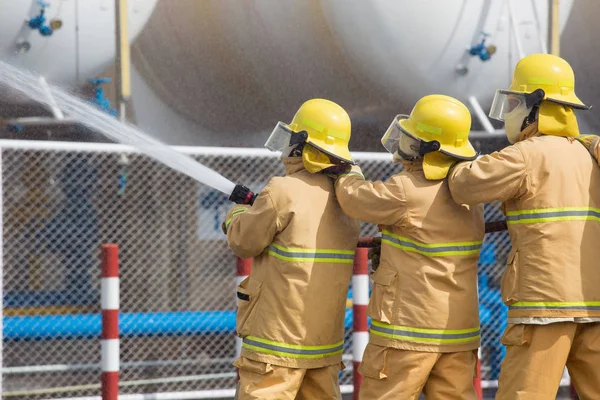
x=336 y=170
x=375 y=253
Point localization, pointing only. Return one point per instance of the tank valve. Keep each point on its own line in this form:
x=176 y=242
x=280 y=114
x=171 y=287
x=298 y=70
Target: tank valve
x=99 y=99
x=481 y=50
x=38 y=22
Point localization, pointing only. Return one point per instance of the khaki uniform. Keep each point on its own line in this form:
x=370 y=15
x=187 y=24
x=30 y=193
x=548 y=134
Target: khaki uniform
x=550 y=187
x=292 y=306
x=424 y=300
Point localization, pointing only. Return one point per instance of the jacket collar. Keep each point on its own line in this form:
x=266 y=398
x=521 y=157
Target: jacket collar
x=413 y=165
x=292 y=164
x=529 y=132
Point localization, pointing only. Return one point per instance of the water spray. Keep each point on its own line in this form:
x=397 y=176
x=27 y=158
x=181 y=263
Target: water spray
x=88 y=115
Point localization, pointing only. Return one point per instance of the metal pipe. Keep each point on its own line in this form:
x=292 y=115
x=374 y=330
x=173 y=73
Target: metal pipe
x=201 y=394
x=480 y=114
x=515 y=29
x=39 y=121
x=553 y=27
x=34 y=369
x=123 y=79
x=141 y=382
x=540 y=36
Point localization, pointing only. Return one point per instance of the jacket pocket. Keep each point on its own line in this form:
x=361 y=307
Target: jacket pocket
x=510 y=280
x=256 y=367
x=374 y=362
x=516 y=335
x=248 y=293
x=383 y=294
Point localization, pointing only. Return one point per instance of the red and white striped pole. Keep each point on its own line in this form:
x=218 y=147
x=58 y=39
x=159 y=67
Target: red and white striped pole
x=477 y=379
x=243 y=268
x=110 y=321
x=360 y=301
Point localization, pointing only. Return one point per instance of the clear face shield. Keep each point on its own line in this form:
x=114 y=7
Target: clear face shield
x=399 y=142
x=507 y=103
x=283 y=138
x=513 y=108
x=279 y=138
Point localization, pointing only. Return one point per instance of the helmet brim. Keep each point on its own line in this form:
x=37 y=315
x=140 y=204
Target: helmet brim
x=465 y=152
x=340 y=153
x=569 y=100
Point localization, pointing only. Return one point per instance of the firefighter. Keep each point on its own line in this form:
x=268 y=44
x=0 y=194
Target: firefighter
x=550 y=187
x=292 y=306
x=424 y=333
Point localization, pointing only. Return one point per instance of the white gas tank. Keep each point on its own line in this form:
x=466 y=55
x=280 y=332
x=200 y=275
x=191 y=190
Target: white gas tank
x=81 y=48
x=418 y=47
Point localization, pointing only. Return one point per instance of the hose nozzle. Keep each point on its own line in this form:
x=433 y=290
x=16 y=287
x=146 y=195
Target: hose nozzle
x=242 y=195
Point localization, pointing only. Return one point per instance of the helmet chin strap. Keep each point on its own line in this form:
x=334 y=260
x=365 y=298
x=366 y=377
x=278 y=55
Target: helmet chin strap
x=533 y=100
x=531 y=118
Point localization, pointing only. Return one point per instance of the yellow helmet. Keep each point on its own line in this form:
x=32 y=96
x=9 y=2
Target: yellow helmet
x=322 y=124
x=542 y=88
x=437 y=129
x=550 y=73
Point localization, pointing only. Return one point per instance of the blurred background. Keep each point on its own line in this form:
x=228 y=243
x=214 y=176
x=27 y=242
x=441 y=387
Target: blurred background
x=223 y=72
x=217 y=75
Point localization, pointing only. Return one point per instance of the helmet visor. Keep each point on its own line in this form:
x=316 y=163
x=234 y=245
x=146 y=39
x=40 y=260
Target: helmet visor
x=504 y=103
x=397 y=141
x=279 y=138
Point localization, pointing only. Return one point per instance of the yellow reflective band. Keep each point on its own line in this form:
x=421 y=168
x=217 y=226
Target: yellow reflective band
x=431 y=249
x=288 y=350
x=551 y=82
x=556 y=305
x=553 y=215
x=351 y=173
x=311 y=255
x=429 y=129
x=313 y=124
x=424 y=335
x=233 y=214
x=323 y=129
x=543 y=210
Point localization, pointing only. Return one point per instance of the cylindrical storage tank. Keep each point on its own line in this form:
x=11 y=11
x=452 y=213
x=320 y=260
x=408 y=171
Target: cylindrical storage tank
x=84 y=45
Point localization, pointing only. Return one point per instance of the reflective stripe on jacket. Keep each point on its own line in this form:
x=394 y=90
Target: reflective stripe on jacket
x=550 y=187
x=292 y=307
x=424 y=296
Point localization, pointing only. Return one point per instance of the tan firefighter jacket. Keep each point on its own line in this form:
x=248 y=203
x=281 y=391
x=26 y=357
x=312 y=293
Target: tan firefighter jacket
x=291 y=308
x=550 y=187
x=424 y=296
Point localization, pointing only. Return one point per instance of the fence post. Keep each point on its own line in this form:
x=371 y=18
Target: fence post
x=243 y=268
x=574 y=395
x=360 y=300
x=110 y=321
x=477 y=379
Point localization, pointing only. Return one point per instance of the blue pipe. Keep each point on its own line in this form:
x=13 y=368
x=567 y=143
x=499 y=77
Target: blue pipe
x=81 y=326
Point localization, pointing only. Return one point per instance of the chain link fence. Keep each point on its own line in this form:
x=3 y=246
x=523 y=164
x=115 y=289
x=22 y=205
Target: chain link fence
x=61 y=201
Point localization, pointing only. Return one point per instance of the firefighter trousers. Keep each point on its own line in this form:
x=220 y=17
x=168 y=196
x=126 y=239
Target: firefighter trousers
x=536 y=356
x=396 y=374
x=263 y=381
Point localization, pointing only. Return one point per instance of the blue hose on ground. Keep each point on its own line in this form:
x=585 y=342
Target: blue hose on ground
x=82 y=326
